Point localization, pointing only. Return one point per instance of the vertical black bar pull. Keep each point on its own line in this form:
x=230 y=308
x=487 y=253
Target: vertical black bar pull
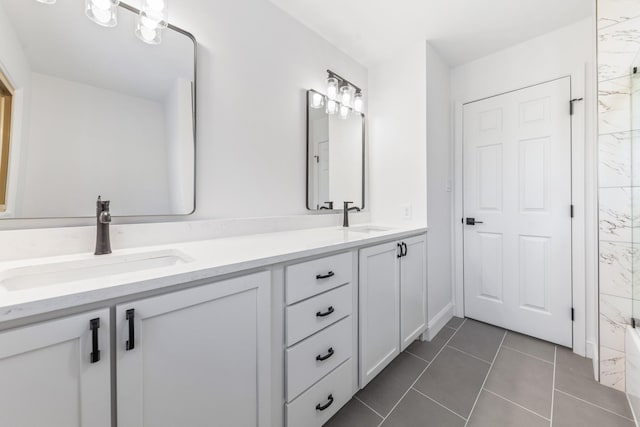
x=131 y=342
x=94 y=325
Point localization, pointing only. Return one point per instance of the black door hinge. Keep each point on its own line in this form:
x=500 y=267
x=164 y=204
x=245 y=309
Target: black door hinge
x=572 y=211
x=633 y=322
x=573 y=314
x=572 y=102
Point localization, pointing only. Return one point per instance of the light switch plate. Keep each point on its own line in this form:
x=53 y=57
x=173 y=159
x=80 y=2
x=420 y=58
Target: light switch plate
x=406 y=211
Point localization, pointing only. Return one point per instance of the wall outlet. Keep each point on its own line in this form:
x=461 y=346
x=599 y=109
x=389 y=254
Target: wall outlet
x=406 y=211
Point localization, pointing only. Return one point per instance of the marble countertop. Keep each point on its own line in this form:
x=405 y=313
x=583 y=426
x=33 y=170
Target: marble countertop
x=205 y=259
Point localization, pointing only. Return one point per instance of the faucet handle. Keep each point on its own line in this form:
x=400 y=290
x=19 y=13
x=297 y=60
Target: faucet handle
x=346 y=204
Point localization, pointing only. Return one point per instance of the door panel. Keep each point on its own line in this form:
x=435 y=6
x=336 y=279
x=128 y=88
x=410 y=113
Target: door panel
x=517 y=184
x=413 y=291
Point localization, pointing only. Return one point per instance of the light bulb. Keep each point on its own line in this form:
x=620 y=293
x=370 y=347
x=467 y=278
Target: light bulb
x=358 y=102
x=344 y=112
x=149 y=35
x=156 y=12
x=346 y=95
x=332 y=107
x=102 y=12
x=317 y=100
x=332 y=88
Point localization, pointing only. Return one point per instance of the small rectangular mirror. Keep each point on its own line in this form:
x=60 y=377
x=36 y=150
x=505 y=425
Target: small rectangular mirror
x=335 y=157
x=95 y=111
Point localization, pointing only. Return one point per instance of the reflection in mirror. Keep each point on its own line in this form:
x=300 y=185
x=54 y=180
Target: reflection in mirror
x=335 y=156
x=6 y=98
x=96 y=112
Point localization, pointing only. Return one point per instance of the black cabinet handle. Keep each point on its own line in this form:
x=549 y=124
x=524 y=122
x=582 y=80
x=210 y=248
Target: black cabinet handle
x=94 y=325
x=326 y=356
x=131 y=342
x=326 y=313
x=406 y=249
x=320 y=407
x=325 y=276
x=400 y=248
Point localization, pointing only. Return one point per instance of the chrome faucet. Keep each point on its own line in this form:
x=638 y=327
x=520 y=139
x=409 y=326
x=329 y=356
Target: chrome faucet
x=345 y=220
x=103 y=219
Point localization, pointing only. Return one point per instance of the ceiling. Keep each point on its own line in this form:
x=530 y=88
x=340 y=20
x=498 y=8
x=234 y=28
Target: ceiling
x=461 y=30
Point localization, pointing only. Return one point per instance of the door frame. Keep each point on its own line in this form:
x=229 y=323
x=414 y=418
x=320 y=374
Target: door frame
x=584 y=223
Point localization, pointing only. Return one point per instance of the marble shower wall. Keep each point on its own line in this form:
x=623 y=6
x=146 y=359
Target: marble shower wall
x=619 y=181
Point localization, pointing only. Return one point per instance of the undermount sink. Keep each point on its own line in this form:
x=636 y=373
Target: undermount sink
x=367 y=229
x=37 y=276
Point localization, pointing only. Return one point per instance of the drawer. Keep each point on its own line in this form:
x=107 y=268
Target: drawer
x=308 y=317
x=310 y=278
x=336 y=388
x=315 y=357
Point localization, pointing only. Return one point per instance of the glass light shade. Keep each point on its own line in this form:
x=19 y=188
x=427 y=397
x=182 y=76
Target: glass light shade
x=317 y=100
x=344 y=112
x=358 y=102
x=155 y=13
x=332 y=106
x=346 y=95
x=149 y=34
x=102 y=12
x=46 y=1
x=332 y=88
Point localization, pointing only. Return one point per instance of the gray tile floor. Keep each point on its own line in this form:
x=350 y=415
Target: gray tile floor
x=477 y=375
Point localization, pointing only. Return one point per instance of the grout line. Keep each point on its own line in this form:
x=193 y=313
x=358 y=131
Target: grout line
x=553 y=384
x=531 y=355
x=468 y=354
x=438 y=403
x=516 y=404
x=373 y=410
x=486 y=377
x=416 y=356
x=594 y=405
x=451 y=327
x=421 y=373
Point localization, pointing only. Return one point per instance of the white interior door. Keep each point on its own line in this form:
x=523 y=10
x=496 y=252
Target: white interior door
x=323 y=173
x=517 y=187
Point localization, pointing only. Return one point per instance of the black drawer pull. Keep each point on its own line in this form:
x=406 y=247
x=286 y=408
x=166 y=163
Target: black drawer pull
x=406 y=249
x=325 y=276
x=131 y=342
x=400 y=254
x=320 y=407
x=94 y=325
x=330 y=353
x=326 y=313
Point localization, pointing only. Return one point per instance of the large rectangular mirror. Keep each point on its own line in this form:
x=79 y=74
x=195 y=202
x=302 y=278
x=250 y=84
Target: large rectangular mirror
x=94 y=111
x=335 y=157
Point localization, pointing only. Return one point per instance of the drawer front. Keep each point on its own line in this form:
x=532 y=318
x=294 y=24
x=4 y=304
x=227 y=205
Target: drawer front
x=310 y=278
x=316 y=356
x=308 y=317
x=334 y=390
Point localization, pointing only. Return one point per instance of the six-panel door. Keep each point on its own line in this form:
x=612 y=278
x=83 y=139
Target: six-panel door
x=51 y=375
x=197 y=357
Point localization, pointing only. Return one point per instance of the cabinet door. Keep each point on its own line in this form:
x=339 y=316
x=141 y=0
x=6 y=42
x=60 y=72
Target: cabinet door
x=413 y=290
x=47 y=374
x=379 y=309
x=200 y=357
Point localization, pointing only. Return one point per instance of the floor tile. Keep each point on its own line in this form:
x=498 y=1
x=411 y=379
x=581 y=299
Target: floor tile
x=455 y=322
x=454 y=379
x=533 y=346
x=354 y=414
x=416 y=410
x=571 y=412
x=478 y=339
x=522 y=379
x=429 y=349
x=492 y=411
x=574 y=375
x=385 y=390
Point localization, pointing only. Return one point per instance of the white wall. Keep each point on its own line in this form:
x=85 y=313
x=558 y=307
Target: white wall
x=439 y=182
x=398 y=135
x=567 y=51
x=70 y=146
x=345 y=164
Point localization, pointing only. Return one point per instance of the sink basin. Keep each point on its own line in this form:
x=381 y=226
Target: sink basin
x=37 y=276
x=367 y=229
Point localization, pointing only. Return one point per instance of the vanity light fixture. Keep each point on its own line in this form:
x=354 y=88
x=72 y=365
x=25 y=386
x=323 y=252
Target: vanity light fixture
x=317 y=100
x=332 y=88
x=345 y=92
x=358 y=102
x=46 y=1
x=152 y=19
x=332 y=106
x=344 y=111
x=102 y=12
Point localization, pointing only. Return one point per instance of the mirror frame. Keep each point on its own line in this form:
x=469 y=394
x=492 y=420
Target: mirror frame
x=195 y=145
x=364 y=165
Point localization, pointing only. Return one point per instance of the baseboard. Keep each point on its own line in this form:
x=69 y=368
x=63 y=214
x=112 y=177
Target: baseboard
x=439 y=321
x=592 y=353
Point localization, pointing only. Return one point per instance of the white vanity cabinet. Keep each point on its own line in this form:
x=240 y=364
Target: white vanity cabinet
x=196 y=357
x=393 y=302
x=57 y=373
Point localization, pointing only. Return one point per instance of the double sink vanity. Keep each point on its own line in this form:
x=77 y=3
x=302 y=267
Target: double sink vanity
x=276 y=329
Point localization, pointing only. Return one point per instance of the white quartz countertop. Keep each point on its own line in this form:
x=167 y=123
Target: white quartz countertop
x=205 y=259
